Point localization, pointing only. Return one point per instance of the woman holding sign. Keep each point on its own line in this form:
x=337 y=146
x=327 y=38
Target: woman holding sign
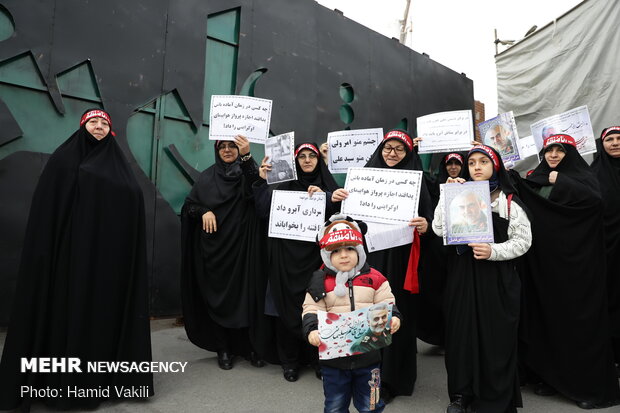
x=400 y=266
x=291 y=262
x=565 y=334
x=482 y=297
x=222 y=258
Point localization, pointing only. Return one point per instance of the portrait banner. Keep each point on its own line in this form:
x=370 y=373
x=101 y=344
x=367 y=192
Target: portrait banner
x=445 y=132
x=501 y=133
x=355 y=332
x=351 y=148
x=466 y=212
x=575 y=122
x=382 y=195
x=232 y=115
x=296 y=215
x=281 y=152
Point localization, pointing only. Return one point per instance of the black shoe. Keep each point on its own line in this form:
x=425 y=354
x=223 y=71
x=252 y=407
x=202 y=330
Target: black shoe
x=255 y=360
x=459 y=404
x=317 y=371
x=543 y=389
x=386 y=395
x=291 y=374
x=224 y=360
x=586 y=405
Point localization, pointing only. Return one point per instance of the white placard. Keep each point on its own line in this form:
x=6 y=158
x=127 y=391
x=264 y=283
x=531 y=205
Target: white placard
x=232 y=115
x=296 y=215
x=383 y=236
x=382 y=195
x=527 y=147
x=445 y=132
x=351 y=148
x=575 y=122
x=281 y=152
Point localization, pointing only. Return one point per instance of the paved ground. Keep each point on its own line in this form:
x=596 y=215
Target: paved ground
x=205 y=388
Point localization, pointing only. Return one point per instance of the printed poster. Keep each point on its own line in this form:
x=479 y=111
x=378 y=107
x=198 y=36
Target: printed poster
x=575 y=122
x=501 y=133
x=351 y=148
x=281 y=152
x=466 y=213
x=445 y=132
x=296 y=215
x=232 y=115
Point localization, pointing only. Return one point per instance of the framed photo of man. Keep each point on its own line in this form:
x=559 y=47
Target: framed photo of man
x=281 y=153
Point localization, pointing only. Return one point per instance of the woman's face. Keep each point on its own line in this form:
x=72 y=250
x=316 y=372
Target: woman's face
x=453 y=167
x=228 y=151
x=554 y=156
x=307 y=160
x=612 y=145
x=98 y=127
x=393 y=152
x=480 y=167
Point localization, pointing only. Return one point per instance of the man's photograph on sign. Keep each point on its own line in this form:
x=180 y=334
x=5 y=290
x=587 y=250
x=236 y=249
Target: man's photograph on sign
x=501 y=133
x=280 y=150
x=467 y=213
x=575 y=122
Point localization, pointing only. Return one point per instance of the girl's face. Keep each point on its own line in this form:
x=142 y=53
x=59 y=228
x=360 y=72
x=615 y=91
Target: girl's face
x=554 y=156
x=307 y=160
x=480 y=167
x=453 y=167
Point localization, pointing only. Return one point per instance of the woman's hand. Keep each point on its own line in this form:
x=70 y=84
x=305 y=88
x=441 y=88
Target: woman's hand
x=312 y=189
x=339 y=195
x=264 y=168
x=323 y=149
x=420 y=223
x=553 y=176
x=314 y=339
x=243 y=144
x=481 y=251
x=416 y=141
x=395 y=324
x=456 y=180
x=209 y=223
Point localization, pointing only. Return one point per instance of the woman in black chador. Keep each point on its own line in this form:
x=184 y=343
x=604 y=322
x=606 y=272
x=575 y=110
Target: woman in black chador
x=291 y=262
x=400 y=267
x=482 y=297
x=606 y=168
x=565 y=340
x=82 y=286
x=222 y=266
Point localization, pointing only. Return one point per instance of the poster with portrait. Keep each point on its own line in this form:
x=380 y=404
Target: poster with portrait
x=445 y=131
x=281 y=152
x=355 y=332
x=232 y=115
x=351 y=148
x=296 y=215
x=575 y=122
x=501 y=133
x=466 y=212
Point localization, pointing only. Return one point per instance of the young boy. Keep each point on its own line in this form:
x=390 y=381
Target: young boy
x=346 y=283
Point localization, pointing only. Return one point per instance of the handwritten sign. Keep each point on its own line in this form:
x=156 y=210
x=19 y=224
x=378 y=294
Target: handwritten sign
x=501 y=133
x=281 y=153
x=296 y=215
x=466 y=212
x=232 y=115
x=351 y=148
x=382 y=195
x=445 y=131
x=355 y=332
x=575 y=122
x=383 y=236
x=527 y=147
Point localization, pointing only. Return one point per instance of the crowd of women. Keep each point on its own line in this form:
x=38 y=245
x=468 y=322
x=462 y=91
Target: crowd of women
x=540 y=305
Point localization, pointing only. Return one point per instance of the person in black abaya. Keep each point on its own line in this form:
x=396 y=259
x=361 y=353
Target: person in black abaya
x=291 y=262
x=606 y=168
x=565 y=335
x=431 y=325
x=400 y=267
x=482 y=297
x=82 y=288
x=222 y=266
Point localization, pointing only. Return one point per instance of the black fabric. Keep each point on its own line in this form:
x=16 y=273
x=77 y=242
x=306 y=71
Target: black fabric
x=223 y=273
x=82 y=289
x=399 y=366
x=607 y=171
x=565 y=336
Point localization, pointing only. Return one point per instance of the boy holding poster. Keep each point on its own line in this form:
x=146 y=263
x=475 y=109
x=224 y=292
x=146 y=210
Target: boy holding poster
x=346 y=283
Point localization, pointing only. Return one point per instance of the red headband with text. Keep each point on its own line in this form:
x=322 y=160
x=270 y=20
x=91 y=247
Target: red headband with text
x=488 y=152
x=306 y=146
x=559 y=139
x=609 y=130
x=348 y=235
x=95 y=114
x=456 y=156
x=402 y=136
